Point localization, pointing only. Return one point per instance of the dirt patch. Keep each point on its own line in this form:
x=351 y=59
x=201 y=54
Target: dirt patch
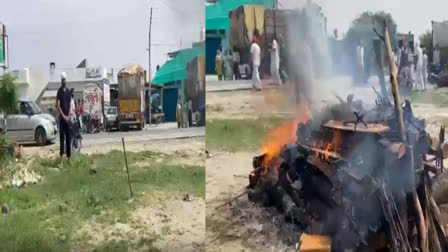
x=233 y=222
x=161 y=222
x=190 y=151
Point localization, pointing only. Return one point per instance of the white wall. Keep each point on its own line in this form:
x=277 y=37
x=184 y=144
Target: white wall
x=29 y=85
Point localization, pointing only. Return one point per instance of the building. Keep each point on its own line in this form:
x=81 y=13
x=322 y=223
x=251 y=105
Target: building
x=172 y=78
x=77 y=78
x=29 y=85
x=217 y=26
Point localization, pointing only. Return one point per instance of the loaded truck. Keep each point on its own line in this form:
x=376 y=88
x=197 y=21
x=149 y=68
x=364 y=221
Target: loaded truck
x=131 y=99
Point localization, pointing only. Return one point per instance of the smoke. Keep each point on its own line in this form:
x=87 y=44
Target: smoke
x=308 y=51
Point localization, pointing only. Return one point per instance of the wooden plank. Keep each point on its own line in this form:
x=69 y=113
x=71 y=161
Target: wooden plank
x=371 y=128
x=314 y=243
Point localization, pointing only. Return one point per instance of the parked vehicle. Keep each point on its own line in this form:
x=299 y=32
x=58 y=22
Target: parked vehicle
x=76 y=135
x=131 y=103
x=111 y=118
x=30 y=125
x=93 y=111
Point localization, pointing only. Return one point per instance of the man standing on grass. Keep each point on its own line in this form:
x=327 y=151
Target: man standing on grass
x=64 y=103
x=255 y=51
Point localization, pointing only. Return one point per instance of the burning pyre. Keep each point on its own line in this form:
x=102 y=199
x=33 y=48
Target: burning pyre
x=356 y=182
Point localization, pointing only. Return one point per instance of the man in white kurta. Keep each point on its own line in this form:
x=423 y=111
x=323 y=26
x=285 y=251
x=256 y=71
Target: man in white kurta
x=275 y=63
x=255 y=52
x=419 y=82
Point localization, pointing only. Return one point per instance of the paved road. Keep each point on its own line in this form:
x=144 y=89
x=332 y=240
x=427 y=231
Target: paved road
x=106 y=138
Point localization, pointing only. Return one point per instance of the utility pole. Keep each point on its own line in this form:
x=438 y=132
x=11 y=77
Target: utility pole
x=149 y=66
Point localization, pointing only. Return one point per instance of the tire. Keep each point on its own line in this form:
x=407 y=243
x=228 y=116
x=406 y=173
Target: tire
x=41 y=136
x=139 y=127
x=76 y=149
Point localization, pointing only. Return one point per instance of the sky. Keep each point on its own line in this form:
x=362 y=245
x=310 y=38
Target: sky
x=112 y=33
x=410 y=15
x=109 y=33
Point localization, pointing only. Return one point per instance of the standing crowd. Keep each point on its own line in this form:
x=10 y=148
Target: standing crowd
x=228 y=63
x=412 y=67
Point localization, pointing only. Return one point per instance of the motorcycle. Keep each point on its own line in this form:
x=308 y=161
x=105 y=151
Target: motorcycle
x=76 y=141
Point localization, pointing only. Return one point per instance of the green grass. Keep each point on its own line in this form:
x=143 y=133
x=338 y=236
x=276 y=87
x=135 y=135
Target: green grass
x=44 y=217
x=237 y=135
x=437 y=97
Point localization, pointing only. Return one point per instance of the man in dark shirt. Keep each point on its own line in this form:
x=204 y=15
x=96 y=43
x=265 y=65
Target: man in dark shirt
x=63 y=102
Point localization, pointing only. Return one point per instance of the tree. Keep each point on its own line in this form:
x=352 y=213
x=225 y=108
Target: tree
x=8 y=95
x=426 y=40
x=8 y=103
x=361 y=29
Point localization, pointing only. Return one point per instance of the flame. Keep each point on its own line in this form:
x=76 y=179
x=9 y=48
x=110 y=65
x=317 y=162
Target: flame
x=329 y=148
x=284 y=134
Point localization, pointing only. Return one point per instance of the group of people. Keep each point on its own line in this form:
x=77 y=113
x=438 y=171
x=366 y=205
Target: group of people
x=184 y=113
x=227 y=64
x=412 y=68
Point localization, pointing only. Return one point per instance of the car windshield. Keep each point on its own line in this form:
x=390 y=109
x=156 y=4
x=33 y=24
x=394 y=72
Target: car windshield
x=34 y=108
x=112 y=111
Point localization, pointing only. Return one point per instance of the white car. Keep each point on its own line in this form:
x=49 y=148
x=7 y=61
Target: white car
x=30 y=125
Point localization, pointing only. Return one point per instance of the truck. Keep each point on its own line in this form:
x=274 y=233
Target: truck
x=93 y=109
x=131 y=99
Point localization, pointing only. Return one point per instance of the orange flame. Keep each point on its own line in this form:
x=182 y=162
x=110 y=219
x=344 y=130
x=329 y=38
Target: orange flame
x=329 y=148
x=284 y=134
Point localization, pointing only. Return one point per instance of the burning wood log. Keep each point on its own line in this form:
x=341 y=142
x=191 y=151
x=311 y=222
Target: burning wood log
x=314 y=243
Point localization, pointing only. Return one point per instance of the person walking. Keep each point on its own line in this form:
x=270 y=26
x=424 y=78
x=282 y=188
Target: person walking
x=63 y=99
x=436 y=56
x=419 y=83
x=275 y=63
x=219 y=64
x=255 y=52
x=236 y=63
x=425 y=68
x=190 y=113
x=179 y=113
x=228 y=59
x=360 y=61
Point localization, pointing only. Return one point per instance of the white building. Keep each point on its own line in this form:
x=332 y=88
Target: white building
x=29 y=85
x=76 y=78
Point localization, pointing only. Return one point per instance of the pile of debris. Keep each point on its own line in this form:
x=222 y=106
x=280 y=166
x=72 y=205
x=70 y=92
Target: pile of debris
x=359 y=183
x=19 y=175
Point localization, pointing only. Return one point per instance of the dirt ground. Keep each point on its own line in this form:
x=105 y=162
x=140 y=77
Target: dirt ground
x=167 y=224
x=189 y=150
x=238 y=225
x=233 y=222
x=162 y=221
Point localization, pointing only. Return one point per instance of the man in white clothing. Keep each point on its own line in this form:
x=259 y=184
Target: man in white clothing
x=275 y=63
x=419 y=69
x=425 y=67
x=255 y=56
x=436 y=56
x=360 y=59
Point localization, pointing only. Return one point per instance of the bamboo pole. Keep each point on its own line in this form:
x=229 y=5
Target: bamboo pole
x=394 y=82
x=127 y=168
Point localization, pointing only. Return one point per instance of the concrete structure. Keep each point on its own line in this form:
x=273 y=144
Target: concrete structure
x=77 y=78
x=30 y=85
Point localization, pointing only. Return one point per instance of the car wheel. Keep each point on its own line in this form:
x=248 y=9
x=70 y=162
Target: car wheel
x=41 y=136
